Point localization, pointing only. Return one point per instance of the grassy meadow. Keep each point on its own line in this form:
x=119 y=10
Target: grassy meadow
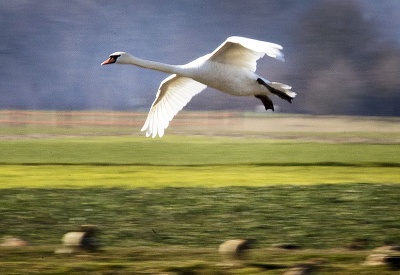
x=163 y=206
x=191 y=161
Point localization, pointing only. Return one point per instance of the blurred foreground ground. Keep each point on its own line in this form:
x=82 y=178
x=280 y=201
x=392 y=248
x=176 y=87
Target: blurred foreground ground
x=177 y=230
x=264 y=125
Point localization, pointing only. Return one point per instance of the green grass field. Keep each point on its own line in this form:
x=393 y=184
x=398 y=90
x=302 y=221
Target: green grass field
x=164 y=205
x=192 y=161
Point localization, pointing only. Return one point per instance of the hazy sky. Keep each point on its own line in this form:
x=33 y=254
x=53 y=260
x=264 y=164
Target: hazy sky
x=52 y=50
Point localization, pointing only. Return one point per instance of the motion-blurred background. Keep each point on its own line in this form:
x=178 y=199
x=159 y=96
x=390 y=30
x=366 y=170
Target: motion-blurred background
x=342 y=57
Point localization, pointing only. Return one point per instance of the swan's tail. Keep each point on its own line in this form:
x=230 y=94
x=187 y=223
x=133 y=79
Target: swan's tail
x=279 y=89
x=282 y=90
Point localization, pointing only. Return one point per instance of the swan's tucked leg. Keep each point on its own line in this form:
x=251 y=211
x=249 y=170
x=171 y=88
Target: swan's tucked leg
x=275 y=91
x=267 y=102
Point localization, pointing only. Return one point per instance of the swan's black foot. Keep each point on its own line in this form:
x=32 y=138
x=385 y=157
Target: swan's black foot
x=277 y=92
x=266 y=101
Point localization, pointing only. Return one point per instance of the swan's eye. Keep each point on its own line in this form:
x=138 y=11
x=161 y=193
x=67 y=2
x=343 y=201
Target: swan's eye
x=114 y=56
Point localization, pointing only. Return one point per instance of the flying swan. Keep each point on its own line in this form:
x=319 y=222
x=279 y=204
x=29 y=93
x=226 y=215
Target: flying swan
x=230 y=69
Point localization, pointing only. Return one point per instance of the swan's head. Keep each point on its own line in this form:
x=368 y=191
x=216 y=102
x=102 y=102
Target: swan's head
x=118 y=57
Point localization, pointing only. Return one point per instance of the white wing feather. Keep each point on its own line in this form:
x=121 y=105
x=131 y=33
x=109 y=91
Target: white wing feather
x=244 y=52
x=173 y=94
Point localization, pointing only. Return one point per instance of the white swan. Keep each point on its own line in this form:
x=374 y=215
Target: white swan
x=230 y=68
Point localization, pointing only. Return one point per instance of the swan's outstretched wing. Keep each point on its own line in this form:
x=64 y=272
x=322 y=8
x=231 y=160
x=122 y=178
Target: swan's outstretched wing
x=244 y=52
x=174 y=93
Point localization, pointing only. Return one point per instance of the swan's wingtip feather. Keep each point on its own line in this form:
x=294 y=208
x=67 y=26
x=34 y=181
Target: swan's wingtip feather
x=280 y=57
x=153 y=134
x=271 y=49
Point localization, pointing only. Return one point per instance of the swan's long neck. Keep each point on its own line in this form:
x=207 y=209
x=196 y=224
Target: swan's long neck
x=167 y=68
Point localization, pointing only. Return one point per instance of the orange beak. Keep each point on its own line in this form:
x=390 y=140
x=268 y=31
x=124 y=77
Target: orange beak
x=110 y=60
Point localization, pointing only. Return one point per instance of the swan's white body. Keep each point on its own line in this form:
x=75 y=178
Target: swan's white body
x=230 y=69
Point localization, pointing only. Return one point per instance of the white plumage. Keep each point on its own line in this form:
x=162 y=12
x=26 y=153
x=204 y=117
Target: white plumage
x=230 y=68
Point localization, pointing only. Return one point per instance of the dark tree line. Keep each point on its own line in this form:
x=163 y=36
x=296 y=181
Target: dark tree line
x=344 y=67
